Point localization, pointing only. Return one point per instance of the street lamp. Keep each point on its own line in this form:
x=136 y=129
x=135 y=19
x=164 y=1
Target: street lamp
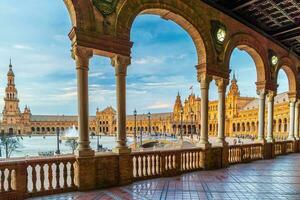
x=149 y=123
x=98 y=144
x=192 y=122
x=134 y=133
x=181 y=119
x=141 y=134
x=57 y=141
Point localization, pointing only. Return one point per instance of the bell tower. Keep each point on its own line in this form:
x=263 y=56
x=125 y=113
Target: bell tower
x=177 y=108
x=11 y=111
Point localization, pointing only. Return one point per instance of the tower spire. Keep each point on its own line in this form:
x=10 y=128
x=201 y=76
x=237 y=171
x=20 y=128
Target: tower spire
x=10 y=65
x=234 y=77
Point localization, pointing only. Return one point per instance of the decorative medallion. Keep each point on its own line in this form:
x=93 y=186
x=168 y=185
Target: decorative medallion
x=218 y=31
x=106 y=7
x=273 y=60
x=218 y=34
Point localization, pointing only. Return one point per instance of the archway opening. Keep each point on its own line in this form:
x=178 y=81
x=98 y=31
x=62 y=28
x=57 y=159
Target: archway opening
x=281 y=104
x=242 y=103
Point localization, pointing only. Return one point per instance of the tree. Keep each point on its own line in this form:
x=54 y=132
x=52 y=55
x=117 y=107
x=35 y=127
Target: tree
x=10 y=144
x=72 y=143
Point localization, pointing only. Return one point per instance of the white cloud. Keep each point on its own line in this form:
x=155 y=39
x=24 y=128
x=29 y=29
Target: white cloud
x=96 y=74
x=160 y=105
x=148 y=60
x=22 y=47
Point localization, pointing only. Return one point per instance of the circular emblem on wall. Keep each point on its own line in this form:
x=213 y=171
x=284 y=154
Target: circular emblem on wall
x=106 y=7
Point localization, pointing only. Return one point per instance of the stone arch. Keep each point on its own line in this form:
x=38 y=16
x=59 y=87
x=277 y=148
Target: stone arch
x=81 y=14
x=252 y=46
x=182 y=14
x=287 y=66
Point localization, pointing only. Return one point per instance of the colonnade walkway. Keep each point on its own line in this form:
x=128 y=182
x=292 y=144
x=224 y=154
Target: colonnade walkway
x=264 y=179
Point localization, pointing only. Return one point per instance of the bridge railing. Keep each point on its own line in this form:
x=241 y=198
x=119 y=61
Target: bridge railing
x=245 y=153
x=36 y=176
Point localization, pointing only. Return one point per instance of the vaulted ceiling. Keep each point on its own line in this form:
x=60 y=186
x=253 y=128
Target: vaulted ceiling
x=278 y=19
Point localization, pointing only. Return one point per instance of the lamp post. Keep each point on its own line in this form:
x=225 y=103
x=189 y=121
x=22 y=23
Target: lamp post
x=134 y=132
x=57 y=141
x=149 y=123
x=192 y=122
x=98 y=145
x=141 y=134
x=181 y=122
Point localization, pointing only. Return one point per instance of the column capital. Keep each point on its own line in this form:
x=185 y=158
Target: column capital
x=261 y=93
x=221 y=83
x=81 y=55
x=120 y=63
x=204 y=80
x=271 y=95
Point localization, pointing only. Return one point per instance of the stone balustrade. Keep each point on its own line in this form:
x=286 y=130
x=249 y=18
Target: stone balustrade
x=245 y=153
x=22 y=178
x=151 y=164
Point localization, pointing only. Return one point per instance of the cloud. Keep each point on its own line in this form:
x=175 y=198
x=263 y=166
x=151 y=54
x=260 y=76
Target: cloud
x=96 y=74
x=160 y=105
x=148 y=60
x=22 y=47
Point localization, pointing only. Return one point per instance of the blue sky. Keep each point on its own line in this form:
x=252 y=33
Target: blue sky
x=34 y=34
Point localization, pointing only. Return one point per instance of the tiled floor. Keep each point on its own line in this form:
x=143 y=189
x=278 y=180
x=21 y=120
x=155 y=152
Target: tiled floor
x=265 y=179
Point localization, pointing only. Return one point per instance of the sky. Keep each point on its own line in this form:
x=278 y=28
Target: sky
x=34 y=35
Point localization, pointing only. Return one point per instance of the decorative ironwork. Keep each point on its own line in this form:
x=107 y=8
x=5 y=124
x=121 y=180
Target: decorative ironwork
x=106 y=7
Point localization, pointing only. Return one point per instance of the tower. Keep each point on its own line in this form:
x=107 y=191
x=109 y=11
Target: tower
x=177 y=108
x=234 y=88
x=11 y=111
x=232 y=97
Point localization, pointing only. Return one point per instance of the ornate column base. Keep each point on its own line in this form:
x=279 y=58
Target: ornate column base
x=84 y=153
x=270 y=140
x=291 y=138
x=262 y=140
x=221 y=143
x=204 y=145
x=122 y=150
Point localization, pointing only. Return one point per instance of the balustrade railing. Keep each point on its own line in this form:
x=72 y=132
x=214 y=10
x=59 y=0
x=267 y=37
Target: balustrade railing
x=151 y=164
x=37 y=176
x=245 y=153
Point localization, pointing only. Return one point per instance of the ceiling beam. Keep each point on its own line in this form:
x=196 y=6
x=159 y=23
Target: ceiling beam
x=286 y=30
x=243 y=4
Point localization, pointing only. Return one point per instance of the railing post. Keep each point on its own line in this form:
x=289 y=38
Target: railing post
x=178 y=162
x=225 y=156
x=162 y=164
x=268 y=150
x=20 y=180
x=126 y=169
